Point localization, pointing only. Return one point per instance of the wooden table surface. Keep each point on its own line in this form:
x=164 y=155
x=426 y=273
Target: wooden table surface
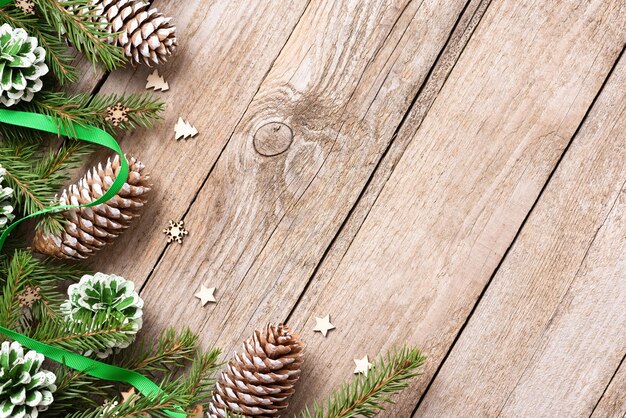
x=449 y=174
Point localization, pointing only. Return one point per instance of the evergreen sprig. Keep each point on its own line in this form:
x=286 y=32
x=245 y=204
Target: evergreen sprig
x=367 y=395
x=79 y=21
x=172 y=351
x=36 y=174
x=97 y=334
x=77 y=391
x=85 y=109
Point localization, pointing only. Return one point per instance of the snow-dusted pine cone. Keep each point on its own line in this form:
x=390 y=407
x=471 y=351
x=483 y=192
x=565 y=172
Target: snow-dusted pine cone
x=91 y=228
x=109 y=295
x=145 y=34
x=25 y=390
x=6 y=208
x=259 y=381
x=21 y=65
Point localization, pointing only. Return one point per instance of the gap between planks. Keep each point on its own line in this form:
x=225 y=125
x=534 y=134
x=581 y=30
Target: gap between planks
x=517 y=235
x=359 y=76
x=587 y=73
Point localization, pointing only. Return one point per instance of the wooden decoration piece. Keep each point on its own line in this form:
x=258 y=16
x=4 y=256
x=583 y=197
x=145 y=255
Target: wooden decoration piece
x=362 y=366
x=29 y=296
x=156 y=82
x=206 y=295
x=175 y=231
x=184 y=129
x=323 y=325
x=117 y=114
x=26 y=6
x=126 y=396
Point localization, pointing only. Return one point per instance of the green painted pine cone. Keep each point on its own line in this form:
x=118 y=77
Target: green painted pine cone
x=109 y=295
x=21 y=65
x=25 y=390
x=6 y=209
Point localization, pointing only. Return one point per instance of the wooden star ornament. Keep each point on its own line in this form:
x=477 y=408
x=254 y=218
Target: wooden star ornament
x=206 y=295
x=128 y=395
x=363 y=366
x=323 y=325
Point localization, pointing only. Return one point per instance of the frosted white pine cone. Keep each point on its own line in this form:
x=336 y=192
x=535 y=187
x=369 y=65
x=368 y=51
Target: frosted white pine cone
x=109 y=295
x=25 y=389
x=6 y=209
x=21 y=65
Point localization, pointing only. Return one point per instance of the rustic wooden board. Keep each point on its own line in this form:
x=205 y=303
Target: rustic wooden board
x=458 y=196
x=613 y=402
x=226 y=49
x=550 y=331
x=261 y=224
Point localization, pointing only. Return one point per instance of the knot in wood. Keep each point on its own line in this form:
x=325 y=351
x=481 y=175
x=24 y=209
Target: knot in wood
x=272 y=139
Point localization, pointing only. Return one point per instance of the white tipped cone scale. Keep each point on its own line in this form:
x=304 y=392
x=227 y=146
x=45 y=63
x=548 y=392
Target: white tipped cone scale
x=259 y=381
x=89 y=229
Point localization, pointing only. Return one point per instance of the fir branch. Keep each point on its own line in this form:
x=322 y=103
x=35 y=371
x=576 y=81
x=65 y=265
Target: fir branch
x=83 y=109
x=30 y=191
x=174 y=396
x=200 y=381
x=88 y=335
x=19 y=269
x=76 y=391
x=57 y=56
x=80 y=21
x=35 y=186
x=366 y=395
x=172 y=350
x=57 y=162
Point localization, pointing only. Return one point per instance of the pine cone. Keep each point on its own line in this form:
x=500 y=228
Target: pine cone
x=21 y=65
x=6 y=209
x=91 y=228
x=259 y=381
x=25 y=390
x=144 y=33
x=105 y=294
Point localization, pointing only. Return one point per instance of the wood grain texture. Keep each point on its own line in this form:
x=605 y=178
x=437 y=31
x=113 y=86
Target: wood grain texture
x=613 y=402
x=550 y=331
x=261 y=224
x=461 y=190
x=225 y=51
x=429 y=91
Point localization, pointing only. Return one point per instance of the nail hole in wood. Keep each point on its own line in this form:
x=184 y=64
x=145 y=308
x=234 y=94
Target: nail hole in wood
x=272 y=139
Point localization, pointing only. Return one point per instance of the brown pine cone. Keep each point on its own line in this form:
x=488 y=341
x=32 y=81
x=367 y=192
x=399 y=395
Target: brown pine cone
x=145 y=34
x=259 y=381
x=91 y=228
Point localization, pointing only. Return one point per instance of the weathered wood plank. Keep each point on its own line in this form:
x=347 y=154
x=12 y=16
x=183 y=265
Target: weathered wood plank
x=225 y=50
x=613 y=403
x=462 y=188
x=550 y=331
x=464 y=29
x=261 y=224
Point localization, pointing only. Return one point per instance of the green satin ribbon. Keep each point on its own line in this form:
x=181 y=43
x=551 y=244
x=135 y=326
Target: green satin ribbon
x=86 y=365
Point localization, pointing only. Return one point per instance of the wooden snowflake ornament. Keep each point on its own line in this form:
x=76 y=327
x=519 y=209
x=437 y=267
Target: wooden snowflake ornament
x=117 y=114
x=184 y=129
x=156 y=82
x=29 y=296
x=26 y=6
x=175 y=231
